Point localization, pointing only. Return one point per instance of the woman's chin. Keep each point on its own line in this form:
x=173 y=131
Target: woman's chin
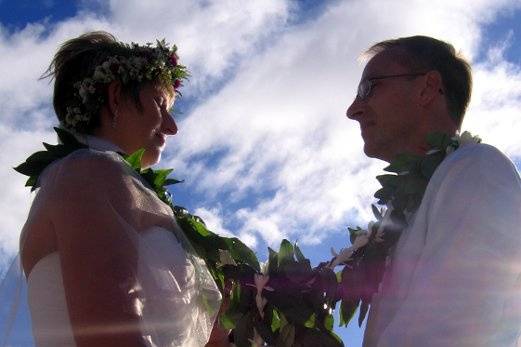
x=151 y=157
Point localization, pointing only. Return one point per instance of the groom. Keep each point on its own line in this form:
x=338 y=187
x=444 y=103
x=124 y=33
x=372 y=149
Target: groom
x=455 y=275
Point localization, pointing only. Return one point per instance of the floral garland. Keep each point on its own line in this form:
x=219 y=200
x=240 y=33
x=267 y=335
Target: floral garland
x=286 y=302
x=148 y=63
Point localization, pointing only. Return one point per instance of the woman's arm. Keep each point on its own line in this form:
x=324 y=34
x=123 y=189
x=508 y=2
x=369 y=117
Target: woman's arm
x=219 y=335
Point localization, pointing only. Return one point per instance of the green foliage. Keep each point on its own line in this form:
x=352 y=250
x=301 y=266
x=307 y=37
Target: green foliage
x=286 y=336
x=439 y=141
x=347 y=311
x=403 y=189
x=275 y=321
x=296 y=294
x=243 y=331
x=37 y=162
x=376 y=212
x=286 y=254
x=298 y=254
x=299 y=298
x=134 y=159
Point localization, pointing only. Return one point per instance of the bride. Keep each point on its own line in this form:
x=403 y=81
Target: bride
x=105 y=262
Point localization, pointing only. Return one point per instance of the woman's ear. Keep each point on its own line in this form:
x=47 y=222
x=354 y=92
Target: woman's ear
x=115 y=97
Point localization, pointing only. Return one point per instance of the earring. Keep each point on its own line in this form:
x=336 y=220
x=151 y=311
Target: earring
x=115 y=119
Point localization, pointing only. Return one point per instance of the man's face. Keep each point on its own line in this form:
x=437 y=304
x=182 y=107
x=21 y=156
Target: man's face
x=389 y=114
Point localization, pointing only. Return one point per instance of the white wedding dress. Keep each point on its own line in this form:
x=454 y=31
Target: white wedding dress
x=176 y=297
x=177 y=311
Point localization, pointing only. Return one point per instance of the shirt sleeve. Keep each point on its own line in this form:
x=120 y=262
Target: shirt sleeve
x=466 y=287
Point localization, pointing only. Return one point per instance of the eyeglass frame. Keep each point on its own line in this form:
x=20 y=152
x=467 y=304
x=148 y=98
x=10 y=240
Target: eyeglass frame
x=369 y=83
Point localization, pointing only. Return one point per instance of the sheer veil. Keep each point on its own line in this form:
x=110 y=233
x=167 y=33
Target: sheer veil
x=179 y=298
x=15 y=321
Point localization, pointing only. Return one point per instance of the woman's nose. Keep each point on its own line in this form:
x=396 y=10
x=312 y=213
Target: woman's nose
x=169 y=124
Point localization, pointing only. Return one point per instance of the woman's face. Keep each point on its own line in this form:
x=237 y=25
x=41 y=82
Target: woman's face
x=149 y=126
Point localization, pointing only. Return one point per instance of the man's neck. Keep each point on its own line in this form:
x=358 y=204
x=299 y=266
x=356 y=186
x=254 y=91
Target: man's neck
x=418 y=144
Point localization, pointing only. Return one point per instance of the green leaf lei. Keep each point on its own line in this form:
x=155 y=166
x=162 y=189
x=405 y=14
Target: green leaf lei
x=402 y=191
x=288 y=302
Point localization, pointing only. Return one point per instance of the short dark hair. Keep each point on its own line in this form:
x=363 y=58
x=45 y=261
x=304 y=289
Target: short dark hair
x=76 y=60
x=427 y=53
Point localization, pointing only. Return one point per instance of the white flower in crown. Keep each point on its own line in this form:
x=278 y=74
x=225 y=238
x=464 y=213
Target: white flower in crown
x=102 y=75
x=74 y=116
x=159 y=63
x=84 y=93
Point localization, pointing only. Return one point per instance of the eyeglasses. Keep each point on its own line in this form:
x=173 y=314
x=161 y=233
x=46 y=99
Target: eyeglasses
x=366 y=86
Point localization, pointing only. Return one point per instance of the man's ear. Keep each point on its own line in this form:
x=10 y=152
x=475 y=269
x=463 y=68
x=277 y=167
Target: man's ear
x=432 y=87
x=115 y=97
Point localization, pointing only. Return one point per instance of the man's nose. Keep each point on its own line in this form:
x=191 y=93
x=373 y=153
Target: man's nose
x=355 y=109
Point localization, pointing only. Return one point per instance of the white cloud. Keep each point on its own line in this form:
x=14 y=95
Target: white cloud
x=280 y=121
x=213 y=221
x=26 y=111
x=276 y=125
x=496 y=101
x=212 y=35
x=16 y=198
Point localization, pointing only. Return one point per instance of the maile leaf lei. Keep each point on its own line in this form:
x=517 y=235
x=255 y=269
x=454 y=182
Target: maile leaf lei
x=402 y=192
x=287 y=302
x=37 y=162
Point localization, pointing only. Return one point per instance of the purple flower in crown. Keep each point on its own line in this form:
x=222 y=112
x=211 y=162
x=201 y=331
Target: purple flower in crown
x=177 y=84
x=173 y=59
x=114 y=68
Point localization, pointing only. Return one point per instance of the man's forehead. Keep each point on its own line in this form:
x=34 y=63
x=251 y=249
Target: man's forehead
x=383 y=63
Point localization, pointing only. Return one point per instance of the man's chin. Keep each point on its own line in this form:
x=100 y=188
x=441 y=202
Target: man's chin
x=373 y=152
x=369 y=150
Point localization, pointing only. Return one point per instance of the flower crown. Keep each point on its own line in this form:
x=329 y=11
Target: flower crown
x=147 y=63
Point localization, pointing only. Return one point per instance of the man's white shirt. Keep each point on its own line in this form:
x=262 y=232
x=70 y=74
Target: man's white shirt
x=455 y=275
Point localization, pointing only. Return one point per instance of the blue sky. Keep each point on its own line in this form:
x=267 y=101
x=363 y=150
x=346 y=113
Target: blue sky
x=264 y=146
